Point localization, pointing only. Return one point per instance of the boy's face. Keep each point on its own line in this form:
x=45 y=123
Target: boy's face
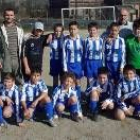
x=114 y=31
x=137 y=32
x=73 y=29
x=8 y=83
x=93 y=31
x=35 y=77
x=58 y=31
x=9 y=16
x=38 y=32
x=68 y=83
x=129 y=75
x=102 y=78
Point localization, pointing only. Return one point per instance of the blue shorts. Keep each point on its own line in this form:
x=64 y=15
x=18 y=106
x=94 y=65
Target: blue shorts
x=114 y=70
x=127 y=102
x=38 y=107
x=91 y=68
x=56 y=67
x=76 y=69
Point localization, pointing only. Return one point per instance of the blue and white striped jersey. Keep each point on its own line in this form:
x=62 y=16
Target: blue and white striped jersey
x=72 y=51
x=61 y=95
x=93 y=49
x=128 y=89
x=31 y=91
x=14 y=95
x=56 y=48
x=115 y=51
x=107 y=89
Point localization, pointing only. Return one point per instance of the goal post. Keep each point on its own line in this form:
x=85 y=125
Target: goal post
x=103 y=15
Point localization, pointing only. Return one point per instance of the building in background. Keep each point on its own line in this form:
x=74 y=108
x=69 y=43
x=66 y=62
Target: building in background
x=52 y=8
x=85 y=3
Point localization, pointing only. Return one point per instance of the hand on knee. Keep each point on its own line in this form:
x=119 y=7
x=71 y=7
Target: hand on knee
x=110 y=106
x=27 y=114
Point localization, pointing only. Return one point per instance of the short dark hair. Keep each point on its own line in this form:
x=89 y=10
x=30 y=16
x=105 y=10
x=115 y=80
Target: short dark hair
x=136 y=24
x=73 y=23
x=114 y=24
x=36 y=70
x=93 y=24
x=58 y=25
x=68 y=75
x=103 y=70
x=129 y=68
x=9 y=76
x=8 y=9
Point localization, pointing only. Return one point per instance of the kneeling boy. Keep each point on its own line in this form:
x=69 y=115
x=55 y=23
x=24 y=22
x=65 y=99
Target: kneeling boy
x=100 y=91
x=35 y=97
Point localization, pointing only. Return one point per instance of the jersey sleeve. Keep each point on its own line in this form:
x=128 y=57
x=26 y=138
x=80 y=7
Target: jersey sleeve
x=23 y=93
x=25 y=48
x=55 y=95
x=17 y=106
x=64 y=57
x=43 y=87
x=123 y=54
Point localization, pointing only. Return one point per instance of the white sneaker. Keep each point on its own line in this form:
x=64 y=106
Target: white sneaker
x=52 y=123
x=55 y=116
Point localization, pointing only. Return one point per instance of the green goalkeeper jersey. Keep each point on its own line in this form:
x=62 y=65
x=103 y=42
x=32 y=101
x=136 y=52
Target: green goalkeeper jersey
x=133 y=51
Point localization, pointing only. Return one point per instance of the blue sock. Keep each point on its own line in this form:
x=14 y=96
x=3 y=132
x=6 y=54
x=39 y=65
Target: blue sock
x=137 y=108
x=93 y=105
x=73 y=108
x=1 y=116
x=78 y=88
x=49 y=110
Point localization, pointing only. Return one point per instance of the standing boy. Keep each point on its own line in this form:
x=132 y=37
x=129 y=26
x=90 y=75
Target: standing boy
x=93 y=52
x=114 y=53
x=73 y=54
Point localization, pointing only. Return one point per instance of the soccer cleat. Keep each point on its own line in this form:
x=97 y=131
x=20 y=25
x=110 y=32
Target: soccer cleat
x=76 y=117
x=95 y=117
x=55 y=116
x=4 y=124
x=52 y=123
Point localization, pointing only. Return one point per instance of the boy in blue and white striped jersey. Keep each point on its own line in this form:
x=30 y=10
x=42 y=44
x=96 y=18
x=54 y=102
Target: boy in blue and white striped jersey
x=35 y=98
x=114 y=52
x=100 y=92
x=73 y=54
x=65 y=96
x=10 y=96
x=128 y=94
x=93 y=52
x=56 y=68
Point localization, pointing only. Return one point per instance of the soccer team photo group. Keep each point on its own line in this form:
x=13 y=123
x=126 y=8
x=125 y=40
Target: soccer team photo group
x=108 y=61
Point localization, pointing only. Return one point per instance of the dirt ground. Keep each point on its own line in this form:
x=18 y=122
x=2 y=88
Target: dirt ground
x=105 y=129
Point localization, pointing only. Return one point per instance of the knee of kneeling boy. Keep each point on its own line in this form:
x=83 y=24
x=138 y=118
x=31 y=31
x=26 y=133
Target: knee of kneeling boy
x=60 y=108
x=73 y=100
x=120 y=115
x=7 y=114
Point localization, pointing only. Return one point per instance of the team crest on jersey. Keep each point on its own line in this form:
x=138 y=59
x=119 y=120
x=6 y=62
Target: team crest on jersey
x=32 y=45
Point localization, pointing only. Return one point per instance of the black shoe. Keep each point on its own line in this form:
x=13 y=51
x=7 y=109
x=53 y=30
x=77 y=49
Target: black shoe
x=75 y=117
x=95 y=117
